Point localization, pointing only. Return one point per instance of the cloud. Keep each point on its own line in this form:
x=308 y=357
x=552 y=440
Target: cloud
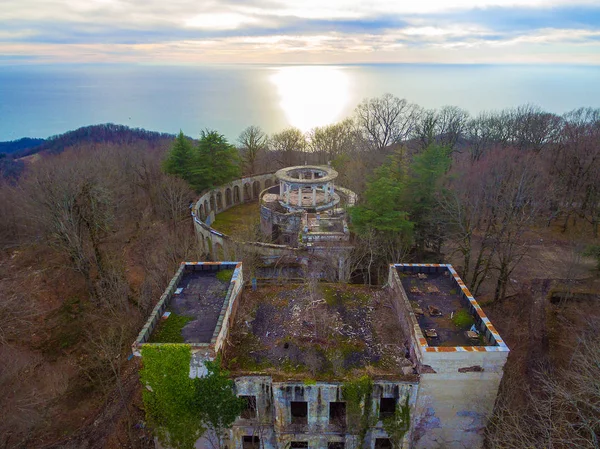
x=301 y=31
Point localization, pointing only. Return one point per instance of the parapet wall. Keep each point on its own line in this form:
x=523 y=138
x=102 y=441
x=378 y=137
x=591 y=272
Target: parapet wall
x=226 y=316
x=458 y=385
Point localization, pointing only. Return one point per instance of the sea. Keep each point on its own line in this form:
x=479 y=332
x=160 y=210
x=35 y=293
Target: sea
x=45 y=100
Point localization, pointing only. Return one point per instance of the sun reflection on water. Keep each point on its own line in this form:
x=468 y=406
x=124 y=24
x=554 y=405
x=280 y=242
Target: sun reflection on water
x=312 y=96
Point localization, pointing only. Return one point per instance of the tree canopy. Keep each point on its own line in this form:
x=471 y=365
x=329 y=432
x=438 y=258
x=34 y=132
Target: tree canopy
x=212 y=162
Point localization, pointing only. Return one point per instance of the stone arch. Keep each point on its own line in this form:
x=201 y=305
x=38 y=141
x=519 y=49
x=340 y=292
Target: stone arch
x=219 y=252
x=201 y=212
x=247 y=192
x=228 y=199
x=236 y=194
x=213 y=206
x=219 y=200
x=268 y=183
x=206 y=209
x=255 y=189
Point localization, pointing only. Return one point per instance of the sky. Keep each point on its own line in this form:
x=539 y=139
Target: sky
x=299 y=32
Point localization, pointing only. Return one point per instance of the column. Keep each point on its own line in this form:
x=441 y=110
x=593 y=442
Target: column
x=314 y=193
x=326 y=191
x=300 y=196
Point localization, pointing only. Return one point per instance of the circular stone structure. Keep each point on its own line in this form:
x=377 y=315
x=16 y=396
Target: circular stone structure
x=307 y=188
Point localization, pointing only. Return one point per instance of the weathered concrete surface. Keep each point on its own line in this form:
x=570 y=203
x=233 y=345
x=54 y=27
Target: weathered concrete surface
x=458 y=385
x=273 y=421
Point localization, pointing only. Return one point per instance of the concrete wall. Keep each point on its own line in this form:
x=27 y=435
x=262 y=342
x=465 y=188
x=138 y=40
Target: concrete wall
x=458 y=385
x=273 y=421
x=200 y=351
x=214 y=243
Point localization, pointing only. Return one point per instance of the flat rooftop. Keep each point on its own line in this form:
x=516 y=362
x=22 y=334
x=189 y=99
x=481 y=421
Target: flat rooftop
x=193 y=306
x=437 y=304
x=316 y=331
x=201 y=299
x=448 y=316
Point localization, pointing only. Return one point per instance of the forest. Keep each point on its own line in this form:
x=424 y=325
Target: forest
x=93 y=228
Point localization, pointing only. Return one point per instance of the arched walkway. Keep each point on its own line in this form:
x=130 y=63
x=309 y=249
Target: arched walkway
x=219 y=200
x=220 y=251
x=247 y=192
x=212 y=203
x=236 y=194
x=228 y=199
x=255 y=189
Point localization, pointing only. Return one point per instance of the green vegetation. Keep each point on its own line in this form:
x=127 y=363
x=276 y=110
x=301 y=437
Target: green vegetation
x=398 y=208
x=211 y=163
x=225 y=275
x=397 y=425
x=463 y=319
x=169 y=329
x=169 y=395
x=357 y=394
x=337 y=296
x=180 y=409
x=237 y=219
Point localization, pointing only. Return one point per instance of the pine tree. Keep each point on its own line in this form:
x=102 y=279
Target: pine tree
x=180 y=158
x=216 y=162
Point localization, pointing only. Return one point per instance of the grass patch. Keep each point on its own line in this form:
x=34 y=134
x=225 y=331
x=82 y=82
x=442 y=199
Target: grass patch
x=463 y=319
x=235 y=219
x=337 y=297
x=169 y=330
x=225 y=275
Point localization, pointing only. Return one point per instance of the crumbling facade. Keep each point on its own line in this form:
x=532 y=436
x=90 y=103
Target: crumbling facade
x=430 y=378
x=302 y=208
x=301 y=214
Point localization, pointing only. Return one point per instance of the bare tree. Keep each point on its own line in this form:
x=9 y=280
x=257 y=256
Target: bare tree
x=498 y=200
x=253 y=141
x=386 y=120
x=444 y=127
x=288 y=147
x=330 y=141
x=563 y=411
x=70 y=206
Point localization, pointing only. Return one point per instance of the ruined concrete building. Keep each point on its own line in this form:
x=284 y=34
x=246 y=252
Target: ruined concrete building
x=415 y=364
x=302 y=218
x=303 y=207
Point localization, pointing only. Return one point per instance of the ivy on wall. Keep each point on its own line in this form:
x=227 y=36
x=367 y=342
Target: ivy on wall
x=357 y=394
x=169 y=395
x=181 y=409
x=396 y=426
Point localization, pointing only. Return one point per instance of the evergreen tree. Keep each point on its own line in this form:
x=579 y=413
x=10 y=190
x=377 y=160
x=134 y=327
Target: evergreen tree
x=180 y=158
x=421 y=196
x=381 y=221
x=216 y=162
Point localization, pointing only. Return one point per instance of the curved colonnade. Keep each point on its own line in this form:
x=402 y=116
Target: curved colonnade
x=215 y=243
x=219 y=246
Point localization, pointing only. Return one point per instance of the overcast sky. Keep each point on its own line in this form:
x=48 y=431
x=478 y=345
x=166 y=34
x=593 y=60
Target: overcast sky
x=303 y=32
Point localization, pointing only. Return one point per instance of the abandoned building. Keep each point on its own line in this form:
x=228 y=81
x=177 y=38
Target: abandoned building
x=427 y=358
x=303 y=207
x=302 y=217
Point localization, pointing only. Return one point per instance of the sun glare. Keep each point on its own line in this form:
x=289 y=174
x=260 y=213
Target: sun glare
x=311 y=96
